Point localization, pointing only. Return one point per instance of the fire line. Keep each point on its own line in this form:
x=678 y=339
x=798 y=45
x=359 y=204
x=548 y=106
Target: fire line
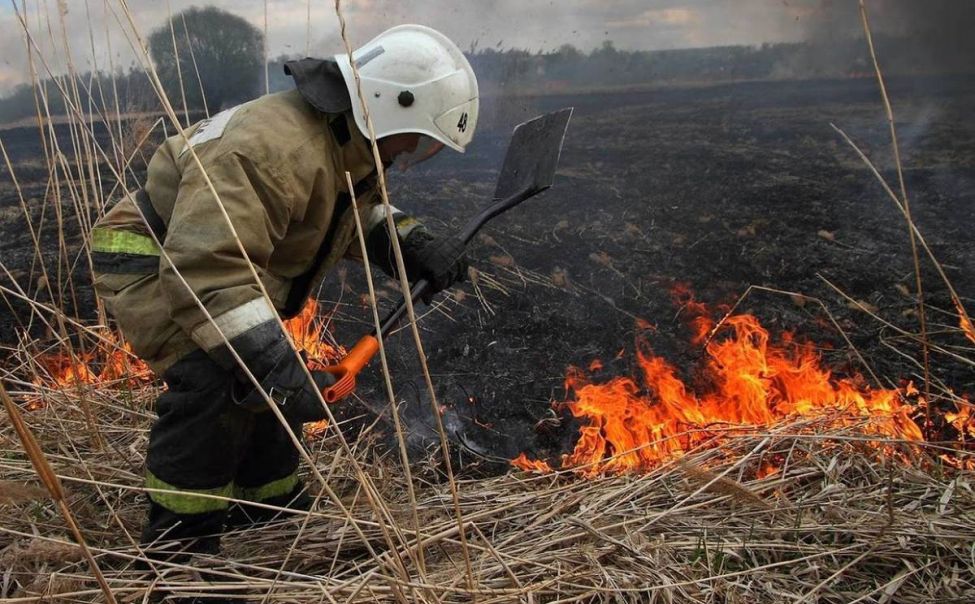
x=112 y=364
x=637 y=423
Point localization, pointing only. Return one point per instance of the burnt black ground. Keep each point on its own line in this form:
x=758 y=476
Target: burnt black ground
x=718 y=187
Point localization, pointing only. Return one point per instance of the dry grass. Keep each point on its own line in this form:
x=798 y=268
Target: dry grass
x=844 y=518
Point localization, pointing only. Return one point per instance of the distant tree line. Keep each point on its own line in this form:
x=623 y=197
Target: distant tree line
x=130 y=88
x=213 y=59
x=570 y=68
x=206 y=58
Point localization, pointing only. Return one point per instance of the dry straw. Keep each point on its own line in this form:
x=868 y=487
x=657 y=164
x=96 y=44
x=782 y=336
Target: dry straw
x=410 y=313
x=845 y=518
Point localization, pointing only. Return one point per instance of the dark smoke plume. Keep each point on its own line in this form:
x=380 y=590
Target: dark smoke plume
x=913 y=36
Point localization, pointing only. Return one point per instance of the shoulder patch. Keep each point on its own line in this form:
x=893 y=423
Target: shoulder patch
x=210 y=128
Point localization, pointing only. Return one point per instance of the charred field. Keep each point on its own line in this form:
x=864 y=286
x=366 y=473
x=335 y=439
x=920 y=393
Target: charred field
x=717 y=188
x=713 y=189
x=741 y=195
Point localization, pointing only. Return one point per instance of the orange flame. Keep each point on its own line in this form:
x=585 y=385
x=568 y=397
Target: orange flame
x=531 y=465
x=113 y=364
x=638 y=423
x=62 y=370
x=964 y=322
x=116 y=361
x=963 y=421
x=308 y=330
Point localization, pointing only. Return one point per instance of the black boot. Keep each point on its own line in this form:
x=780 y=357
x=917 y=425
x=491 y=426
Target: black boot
x=172 y=537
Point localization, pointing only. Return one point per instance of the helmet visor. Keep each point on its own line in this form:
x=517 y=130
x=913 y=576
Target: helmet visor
x=426 y=148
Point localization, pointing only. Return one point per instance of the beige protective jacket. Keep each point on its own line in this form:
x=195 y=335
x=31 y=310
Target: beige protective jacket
x=278 y=167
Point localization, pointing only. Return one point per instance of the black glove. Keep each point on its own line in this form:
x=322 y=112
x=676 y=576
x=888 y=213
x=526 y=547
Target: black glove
x=288 y=386
x=442 y=261
x=269 y=356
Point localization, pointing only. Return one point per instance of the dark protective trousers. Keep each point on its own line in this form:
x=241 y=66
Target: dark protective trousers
x=204 y=444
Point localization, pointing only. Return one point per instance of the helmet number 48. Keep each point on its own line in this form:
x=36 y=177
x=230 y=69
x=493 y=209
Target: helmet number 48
x=462 y=122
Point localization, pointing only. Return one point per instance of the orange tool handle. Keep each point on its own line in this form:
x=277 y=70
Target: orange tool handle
x=349 y=367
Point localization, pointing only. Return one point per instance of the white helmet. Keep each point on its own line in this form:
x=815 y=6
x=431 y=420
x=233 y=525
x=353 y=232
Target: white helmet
x=414 y=80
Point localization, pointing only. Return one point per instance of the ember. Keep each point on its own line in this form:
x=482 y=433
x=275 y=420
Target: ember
x=638 y=423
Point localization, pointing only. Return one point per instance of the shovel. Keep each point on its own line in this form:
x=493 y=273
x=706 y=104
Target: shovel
x=528 y=169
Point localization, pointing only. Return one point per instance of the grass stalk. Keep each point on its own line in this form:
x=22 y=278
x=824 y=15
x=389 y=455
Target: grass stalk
x=179 y=69
x=387 y=378
x=906 y=204
x=53 y=486
x=405 y=288
x=196 y=69
x=264 y=50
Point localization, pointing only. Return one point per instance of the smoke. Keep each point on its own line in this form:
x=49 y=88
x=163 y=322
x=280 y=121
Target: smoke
x=913 y=36
x=924 y=43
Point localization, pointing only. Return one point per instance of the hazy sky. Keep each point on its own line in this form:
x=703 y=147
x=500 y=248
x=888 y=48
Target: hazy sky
x=533 y=24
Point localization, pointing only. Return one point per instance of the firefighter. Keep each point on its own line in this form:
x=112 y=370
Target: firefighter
x=278 y=167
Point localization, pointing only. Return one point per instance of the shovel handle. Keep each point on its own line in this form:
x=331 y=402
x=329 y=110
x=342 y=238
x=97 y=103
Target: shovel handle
x=346 y=370
x=470 y=229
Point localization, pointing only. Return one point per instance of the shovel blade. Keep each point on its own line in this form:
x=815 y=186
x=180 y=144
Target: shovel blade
x=533 y=154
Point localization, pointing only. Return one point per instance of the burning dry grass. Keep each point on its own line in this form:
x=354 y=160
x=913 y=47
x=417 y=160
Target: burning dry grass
x=817 y=509
x=841 y=519
x=824 y=508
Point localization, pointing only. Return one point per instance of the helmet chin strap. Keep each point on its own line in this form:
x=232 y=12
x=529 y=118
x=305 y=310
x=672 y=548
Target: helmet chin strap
x=427 y=148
